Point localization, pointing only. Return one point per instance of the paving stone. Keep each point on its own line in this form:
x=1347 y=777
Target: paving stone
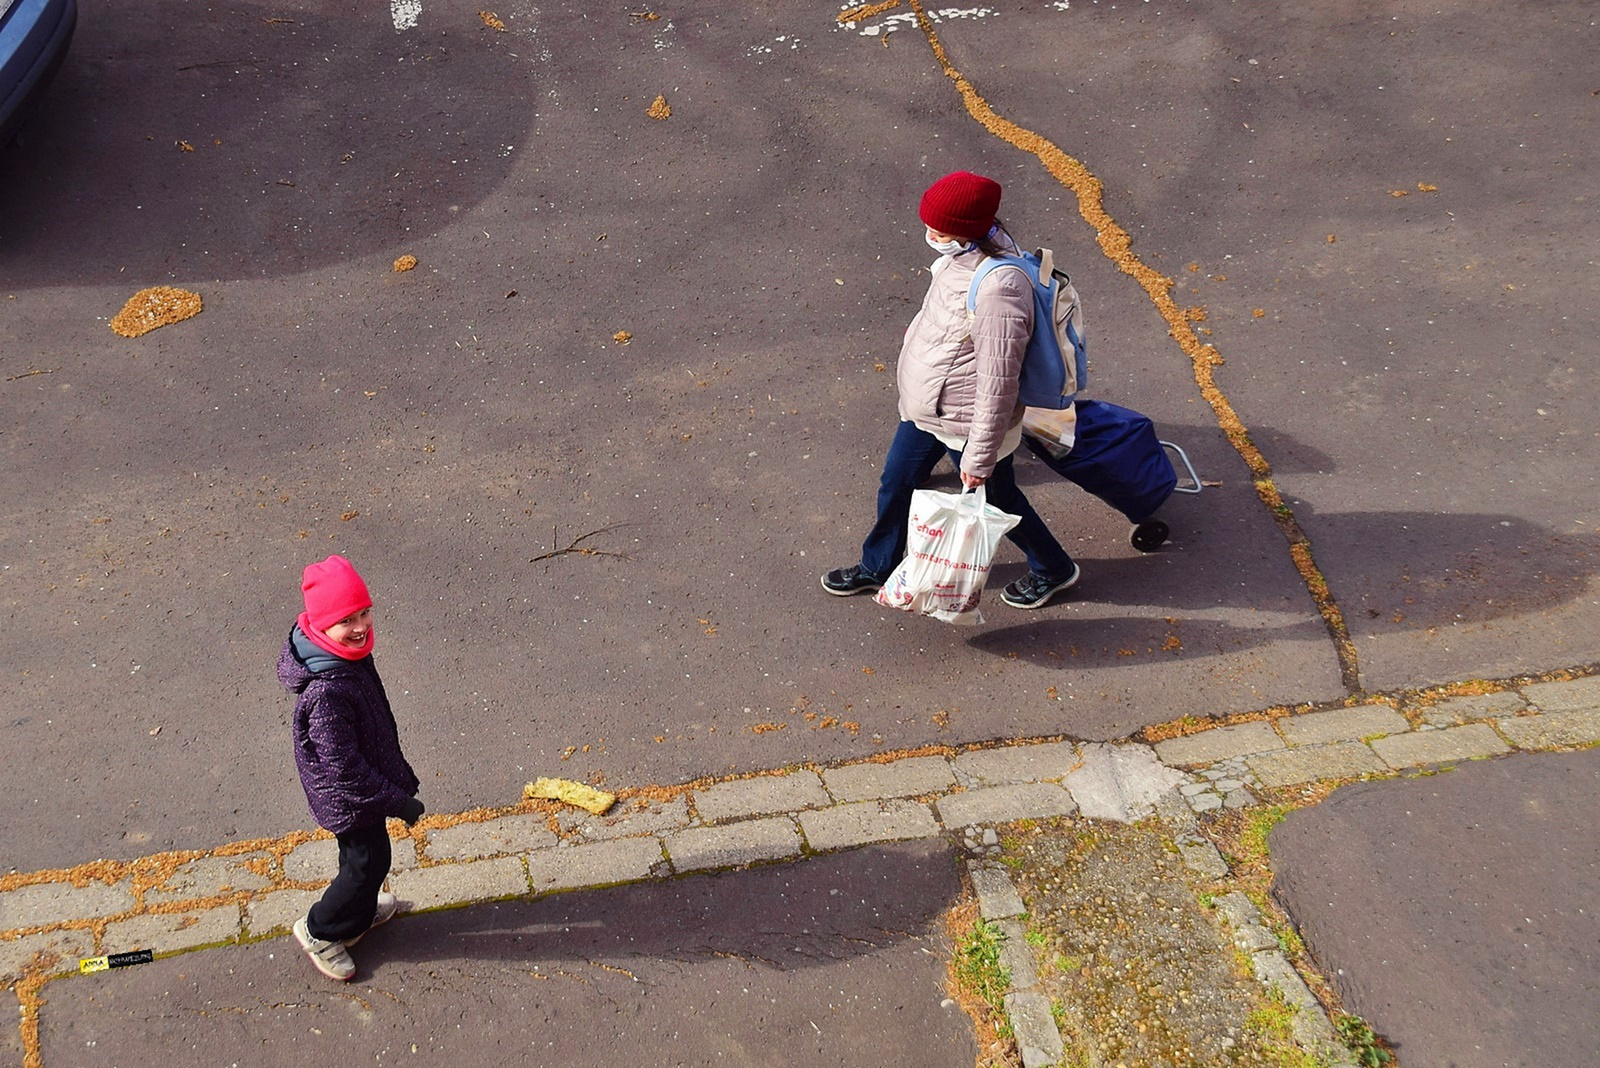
x=699 y=848
x=653 y=818
x=1019 y=763
x=497 y=837
x=1342 y=724
x=1202 y=858
x=1120 y=782
x=1190 y=789
x=1310 y=1025
x=843 y=826
x=1002 y=804
x=1240 y=798
x=63 y=948
x=598 y=864
x=43 y=904
x=1437 y=747
x=1016 y=956
x=317 y=861
x=277 y=911
x=456 y=884
x=1457 y=710
x=1205 y=802
x=912 y=777
x=1244 y=923
x=1219 y=743
x=997 y=897
x=761 y=796
x=1579 y=694
x=1035 y=1029
x=402 y=854
x=211 y=875
x=1552 y=729
x=1310 y=763
x=164 y=932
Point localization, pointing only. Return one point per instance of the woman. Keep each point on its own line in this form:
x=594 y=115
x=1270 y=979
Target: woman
x=958 y=394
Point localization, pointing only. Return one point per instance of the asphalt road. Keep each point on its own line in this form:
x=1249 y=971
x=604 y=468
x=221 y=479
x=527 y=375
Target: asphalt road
x=1414 y=381
x=1456 y=912
x=838 y=961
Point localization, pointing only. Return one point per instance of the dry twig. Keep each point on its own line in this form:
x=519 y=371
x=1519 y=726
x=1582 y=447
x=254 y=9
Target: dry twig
x=577 y=547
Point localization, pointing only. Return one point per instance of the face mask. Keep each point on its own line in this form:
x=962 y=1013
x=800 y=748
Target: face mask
x=944 y=248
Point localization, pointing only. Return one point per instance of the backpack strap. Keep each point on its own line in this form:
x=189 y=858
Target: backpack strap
x=990 y=263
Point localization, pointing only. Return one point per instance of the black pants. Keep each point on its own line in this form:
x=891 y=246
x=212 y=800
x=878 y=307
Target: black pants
x=348 y=905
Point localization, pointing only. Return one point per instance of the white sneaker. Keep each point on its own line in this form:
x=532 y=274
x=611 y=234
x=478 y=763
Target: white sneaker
x=330 y=958
x=388 y=905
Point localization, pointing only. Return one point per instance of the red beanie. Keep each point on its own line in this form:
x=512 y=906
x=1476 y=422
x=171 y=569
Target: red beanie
x=333 y=591
x=963 y=204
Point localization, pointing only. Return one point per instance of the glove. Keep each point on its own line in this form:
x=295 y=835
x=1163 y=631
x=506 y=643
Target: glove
x=412 y=811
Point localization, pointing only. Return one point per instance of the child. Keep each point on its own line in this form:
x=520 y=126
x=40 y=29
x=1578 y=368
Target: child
x=348 y=752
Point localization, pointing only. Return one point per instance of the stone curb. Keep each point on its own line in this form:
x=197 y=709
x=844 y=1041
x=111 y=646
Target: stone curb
x=768 y=818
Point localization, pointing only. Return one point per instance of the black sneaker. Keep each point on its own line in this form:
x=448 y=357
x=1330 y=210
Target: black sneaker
x=1034 y=590
x=843 y=581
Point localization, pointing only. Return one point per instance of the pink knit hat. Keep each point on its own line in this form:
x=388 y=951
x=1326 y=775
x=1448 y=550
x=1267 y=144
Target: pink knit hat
x=333 y=591
x=962 y=203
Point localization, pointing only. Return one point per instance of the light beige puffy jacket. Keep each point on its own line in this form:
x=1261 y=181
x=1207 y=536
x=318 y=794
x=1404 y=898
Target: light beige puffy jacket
x=958 y=378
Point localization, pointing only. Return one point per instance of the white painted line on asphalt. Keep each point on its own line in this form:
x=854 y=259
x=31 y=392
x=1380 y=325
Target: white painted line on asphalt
x=405 y=13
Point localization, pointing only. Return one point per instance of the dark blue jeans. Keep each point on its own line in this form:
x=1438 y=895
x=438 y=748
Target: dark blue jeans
x=913 y=454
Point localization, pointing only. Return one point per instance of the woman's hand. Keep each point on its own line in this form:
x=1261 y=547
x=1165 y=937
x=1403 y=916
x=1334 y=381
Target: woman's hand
x=972 y=482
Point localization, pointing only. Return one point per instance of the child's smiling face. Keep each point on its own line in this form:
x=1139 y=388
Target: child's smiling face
x=351 y=631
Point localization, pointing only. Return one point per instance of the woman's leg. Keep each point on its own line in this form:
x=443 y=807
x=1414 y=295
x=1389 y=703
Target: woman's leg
x=1045 y=555
x=347 y=906
x=912 y=456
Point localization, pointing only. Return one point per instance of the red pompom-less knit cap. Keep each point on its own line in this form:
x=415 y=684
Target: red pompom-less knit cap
x=963 y=204
x=333 y=591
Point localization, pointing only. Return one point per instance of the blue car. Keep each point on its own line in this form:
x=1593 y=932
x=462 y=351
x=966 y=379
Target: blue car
x=34 y=35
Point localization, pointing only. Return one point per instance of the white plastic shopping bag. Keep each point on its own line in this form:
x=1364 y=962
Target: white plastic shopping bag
x=950 y=543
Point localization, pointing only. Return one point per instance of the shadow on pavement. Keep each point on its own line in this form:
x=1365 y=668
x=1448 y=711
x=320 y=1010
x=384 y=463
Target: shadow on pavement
x=311 y=138
x=839 y=960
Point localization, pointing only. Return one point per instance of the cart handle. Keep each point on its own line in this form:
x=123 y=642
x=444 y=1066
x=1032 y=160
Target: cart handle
x=1183 y=458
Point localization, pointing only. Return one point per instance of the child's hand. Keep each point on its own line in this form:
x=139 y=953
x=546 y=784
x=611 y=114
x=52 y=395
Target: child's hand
x=412 y=811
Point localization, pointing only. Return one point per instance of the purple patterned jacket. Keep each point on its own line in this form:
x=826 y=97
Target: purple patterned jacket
x=346 y=745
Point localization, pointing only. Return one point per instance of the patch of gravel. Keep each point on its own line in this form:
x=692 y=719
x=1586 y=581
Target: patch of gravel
x=1140 y=967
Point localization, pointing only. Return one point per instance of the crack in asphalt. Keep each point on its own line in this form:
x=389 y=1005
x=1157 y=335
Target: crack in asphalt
x=1117 y=245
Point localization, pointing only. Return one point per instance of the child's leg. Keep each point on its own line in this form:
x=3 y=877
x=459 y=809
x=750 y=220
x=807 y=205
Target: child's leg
x=347 y=906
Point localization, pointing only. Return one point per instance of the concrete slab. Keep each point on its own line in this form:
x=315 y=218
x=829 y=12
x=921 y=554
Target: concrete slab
x=1441 y=746
x=43 y=904
x=507 y=834
x=911 y=777
x=164 y=932
x=761 y=796
x=1002 y=804
x=208 y=876
x=700 y=848
x=864 y=822
x=1454 y=711
x=1342 y=724
x=600 y=864
x=444 y=885
x=1313 y=762
x=1029 y=763
x=1120 y=782
x=1219 y=743
x=1551 y=729
x=1575 y=695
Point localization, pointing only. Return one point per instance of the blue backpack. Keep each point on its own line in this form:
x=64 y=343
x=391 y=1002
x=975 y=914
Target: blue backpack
x=1050 y=379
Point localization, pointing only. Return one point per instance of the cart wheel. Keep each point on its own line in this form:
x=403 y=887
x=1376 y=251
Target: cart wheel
x=1149 y=536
